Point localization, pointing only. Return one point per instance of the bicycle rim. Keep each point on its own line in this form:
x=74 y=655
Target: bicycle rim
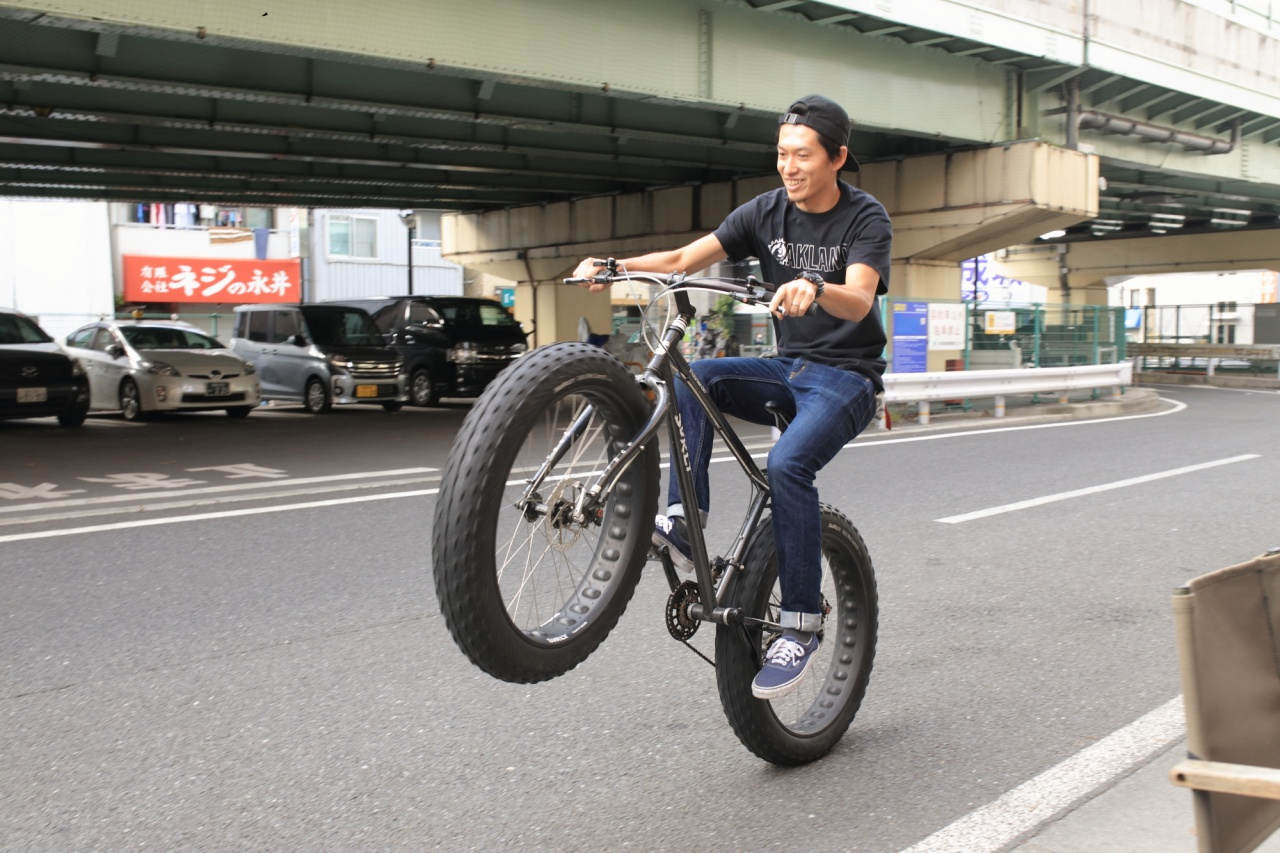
x=555 y=572
x=820 y=697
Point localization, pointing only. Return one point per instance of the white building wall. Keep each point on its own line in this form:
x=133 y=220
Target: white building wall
x=387 y=274
x=55 y=261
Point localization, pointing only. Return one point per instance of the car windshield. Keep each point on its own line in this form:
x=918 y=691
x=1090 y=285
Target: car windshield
x=337 y=327
x=476 y=314
x=16 y=329
x=168 y=337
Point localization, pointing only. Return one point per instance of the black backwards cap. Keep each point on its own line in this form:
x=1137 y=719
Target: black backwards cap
x=826 y=117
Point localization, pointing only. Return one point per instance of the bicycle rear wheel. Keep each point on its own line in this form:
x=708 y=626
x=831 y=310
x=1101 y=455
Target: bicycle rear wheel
x=804 y=725
x=527 y=590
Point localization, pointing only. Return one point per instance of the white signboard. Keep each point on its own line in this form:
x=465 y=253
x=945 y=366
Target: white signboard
x=946 y=325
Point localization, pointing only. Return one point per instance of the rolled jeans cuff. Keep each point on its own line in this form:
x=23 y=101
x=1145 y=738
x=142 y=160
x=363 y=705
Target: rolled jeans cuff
x=677 y=510
x=800 y=621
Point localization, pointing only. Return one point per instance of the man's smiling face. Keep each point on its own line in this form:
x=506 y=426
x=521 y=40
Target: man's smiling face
x=806 y=169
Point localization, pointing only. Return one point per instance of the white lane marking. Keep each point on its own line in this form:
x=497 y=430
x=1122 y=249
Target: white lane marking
x=1090 y=490
x=206 y=516
x=339 y=501
x=1031 y=805
x=862 y=441
x=207 y=490
x=93 y=512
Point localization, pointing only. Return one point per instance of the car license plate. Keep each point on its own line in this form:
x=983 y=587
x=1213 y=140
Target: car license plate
x=217 y=389
x=33 y=395
x=366 y=390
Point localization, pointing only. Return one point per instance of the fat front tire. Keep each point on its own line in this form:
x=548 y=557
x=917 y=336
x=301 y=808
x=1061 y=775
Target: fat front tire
x=526 y=591
x=805 y=725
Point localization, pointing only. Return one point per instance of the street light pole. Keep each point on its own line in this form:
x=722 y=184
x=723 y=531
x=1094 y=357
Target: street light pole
x=409 y=220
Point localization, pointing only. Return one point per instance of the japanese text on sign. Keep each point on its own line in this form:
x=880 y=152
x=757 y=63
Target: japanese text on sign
x=155 y=279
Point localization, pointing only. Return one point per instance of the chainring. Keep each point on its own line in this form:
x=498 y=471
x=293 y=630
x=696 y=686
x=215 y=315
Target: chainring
x=680 y=622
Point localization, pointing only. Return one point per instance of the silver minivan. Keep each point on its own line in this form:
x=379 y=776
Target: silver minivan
x=319 y=355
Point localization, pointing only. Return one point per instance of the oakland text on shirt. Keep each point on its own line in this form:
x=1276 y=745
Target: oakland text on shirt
x=807 y=256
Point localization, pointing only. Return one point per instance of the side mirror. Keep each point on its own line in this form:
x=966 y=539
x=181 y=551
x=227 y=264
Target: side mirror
x=299 y=340
x=419 y=328
x=115 y=351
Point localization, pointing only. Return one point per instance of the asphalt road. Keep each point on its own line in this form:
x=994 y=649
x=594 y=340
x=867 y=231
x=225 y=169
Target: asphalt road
x=222 y=635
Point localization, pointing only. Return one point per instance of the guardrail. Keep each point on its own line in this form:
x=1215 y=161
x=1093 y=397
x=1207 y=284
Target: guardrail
x=923 y=388
x=1212 y=352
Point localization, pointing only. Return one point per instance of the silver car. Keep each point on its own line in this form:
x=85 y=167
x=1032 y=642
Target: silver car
x=140 y=367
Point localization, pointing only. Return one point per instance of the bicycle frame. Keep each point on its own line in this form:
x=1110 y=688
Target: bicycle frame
x=667 y=362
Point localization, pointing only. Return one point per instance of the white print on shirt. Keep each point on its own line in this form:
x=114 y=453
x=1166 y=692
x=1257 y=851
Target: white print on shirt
x=807 y=256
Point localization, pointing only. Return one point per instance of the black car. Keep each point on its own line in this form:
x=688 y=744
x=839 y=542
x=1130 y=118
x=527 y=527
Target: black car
x=37 y=378
x=453 y=346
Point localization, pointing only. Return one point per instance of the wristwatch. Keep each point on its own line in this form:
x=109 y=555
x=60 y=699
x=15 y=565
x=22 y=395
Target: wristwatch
x=814 y=279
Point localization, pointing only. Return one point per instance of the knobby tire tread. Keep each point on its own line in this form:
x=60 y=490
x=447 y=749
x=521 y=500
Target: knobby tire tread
x=465 y=585
x=751 y=719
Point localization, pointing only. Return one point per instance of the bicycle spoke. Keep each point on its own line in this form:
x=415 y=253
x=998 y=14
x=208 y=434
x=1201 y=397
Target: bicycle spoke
x=552 y=552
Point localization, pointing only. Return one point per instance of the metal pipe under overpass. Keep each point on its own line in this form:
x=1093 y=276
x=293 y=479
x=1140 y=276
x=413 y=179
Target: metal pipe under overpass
x=1079 y=119
x=1107 y=123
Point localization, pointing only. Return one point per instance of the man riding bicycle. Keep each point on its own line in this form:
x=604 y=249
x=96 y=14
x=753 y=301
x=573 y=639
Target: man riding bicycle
x=827 y=244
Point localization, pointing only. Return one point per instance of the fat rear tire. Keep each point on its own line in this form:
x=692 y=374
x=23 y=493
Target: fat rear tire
x=501 y=434
x=804 y=727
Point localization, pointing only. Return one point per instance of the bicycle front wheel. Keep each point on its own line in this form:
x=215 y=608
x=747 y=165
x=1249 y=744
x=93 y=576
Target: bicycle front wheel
x=804 y=725
x=528 y=589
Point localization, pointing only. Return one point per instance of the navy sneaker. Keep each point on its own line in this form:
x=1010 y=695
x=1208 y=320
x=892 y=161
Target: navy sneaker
x=669 y=533
x=785 y=664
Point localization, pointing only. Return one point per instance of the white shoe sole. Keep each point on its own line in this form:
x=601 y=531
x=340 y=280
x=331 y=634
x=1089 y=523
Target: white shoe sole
x=770 y=694
x=680 y=561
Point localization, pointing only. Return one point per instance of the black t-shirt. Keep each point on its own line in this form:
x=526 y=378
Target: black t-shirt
x=789 y=241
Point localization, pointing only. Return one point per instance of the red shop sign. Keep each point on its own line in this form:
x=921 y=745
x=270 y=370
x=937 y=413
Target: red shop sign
x=151 y=279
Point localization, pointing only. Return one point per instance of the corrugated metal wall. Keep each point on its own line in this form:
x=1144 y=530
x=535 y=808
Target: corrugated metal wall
x=387 y=274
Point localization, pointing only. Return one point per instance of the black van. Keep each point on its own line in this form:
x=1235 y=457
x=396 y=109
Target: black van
x=453 y=346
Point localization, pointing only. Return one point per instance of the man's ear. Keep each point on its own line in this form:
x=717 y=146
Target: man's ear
x=842 y=158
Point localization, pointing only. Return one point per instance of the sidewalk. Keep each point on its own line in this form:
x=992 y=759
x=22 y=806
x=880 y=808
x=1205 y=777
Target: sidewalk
x=1142 y=813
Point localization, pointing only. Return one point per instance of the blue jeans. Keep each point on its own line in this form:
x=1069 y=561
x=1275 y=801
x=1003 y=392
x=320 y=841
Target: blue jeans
x=828 y=407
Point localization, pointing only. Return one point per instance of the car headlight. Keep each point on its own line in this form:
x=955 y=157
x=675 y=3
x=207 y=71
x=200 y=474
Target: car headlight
x=340 y=363
x=160 y=368
x=249 y=369
x=463 y=353
x=516 y=349
x=77 y=369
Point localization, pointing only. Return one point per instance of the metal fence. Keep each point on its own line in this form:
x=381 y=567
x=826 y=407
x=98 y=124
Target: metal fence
x=998 y=337
x=1221 y=323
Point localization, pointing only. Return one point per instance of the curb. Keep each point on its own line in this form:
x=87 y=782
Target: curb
x=1135 y=401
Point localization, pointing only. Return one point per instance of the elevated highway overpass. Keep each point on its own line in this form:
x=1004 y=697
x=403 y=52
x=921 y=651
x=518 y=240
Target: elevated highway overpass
x=1169 y=112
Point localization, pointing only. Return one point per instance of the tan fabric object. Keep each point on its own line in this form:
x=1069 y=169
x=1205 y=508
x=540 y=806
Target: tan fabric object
x=1228 y=624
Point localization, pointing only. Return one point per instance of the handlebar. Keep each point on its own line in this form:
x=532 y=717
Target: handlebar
x=749 y=291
